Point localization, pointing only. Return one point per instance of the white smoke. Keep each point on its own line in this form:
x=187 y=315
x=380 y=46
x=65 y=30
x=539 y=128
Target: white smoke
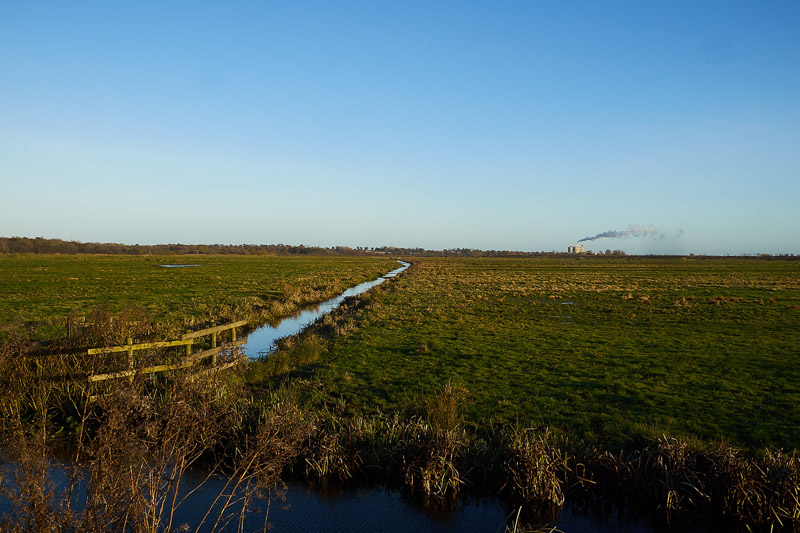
x=634 y=230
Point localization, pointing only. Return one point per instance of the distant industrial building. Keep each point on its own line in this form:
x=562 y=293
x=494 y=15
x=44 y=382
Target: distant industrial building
x=576 y=249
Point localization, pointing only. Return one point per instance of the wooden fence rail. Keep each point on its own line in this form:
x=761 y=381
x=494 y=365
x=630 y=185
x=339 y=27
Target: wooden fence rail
x=135 y=347
x=183 y=363
x=187 y=339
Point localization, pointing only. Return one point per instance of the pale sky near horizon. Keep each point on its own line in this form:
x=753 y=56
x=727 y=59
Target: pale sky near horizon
x=667 y=127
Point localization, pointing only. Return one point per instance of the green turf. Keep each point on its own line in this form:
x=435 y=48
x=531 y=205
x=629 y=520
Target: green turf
x=45 y=287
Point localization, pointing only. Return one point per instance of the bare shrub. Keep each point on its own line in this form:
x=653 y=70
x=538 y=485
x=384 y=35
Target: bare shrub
x=103 y=327
x=132 y=446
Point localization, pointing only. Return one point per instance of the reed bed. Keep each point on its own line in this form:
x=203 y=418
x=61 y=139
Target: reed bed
x=668 y=481
x=131 y=445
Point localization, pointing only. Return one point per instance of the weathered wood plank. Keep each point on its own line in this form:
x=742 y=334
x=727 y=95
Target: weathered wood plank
x=111 y=375
x=131 y=373
x=134 y=347
x=212 y=351
x=215 y=329
x=201 y=355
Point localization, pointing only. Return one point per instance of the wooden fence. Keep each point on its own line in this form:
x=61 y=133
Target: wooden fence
x=189 y=359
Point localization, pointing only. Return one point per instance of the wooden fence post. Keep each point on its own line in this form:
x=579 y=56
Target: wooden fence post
x=130 y=357
x=214 y=345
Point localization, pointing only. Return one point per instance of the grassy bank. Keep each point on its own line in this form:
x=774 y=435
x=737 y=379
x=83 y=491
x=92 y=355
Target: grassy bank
x=604 y=350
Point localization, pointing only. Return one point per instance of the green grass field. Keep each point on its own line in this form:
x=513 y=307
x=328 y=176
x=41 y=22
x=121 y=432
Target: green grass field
x=607 y=350
x=47 y=287
x=603 y=349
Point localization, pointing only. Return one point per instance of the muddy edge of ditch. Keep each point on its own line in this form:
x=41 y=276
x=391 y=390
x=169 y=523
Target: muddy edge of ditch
x=263 y=339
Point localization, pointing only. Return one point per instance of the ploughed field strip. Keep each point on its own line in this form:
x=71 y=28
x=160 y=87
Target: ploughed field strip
x=607 y=350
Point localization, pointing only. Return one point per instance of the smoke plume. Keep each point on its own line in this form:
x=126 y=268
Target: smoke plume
x=634 y=230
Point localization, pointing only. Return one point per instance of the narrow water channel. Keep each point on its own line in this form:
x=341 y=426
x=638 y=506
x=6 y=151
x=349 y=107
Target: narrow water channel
x=306 y=510
x=262 y=340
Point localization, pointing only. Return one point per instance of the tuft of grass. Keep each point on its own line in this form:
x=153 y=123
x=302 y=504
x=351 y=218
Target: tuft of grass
x=436 y=469
x=537 y=469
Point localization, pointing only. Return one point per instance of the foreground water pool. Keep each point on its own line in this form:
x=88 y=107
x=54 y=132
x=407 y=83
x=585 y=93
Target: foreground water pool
x=304 y=509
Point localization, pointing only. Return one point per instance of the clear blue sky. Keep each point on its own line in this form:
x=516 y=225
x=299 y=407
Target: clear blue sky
x=496 y=125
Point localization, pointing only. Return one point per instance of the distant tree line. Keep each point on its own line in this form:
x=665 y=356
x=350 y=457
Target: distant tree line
x=40 y=245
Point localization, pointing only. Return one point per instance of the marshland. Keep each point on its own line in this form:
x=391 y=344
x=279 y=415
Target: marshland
x=660 y=389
